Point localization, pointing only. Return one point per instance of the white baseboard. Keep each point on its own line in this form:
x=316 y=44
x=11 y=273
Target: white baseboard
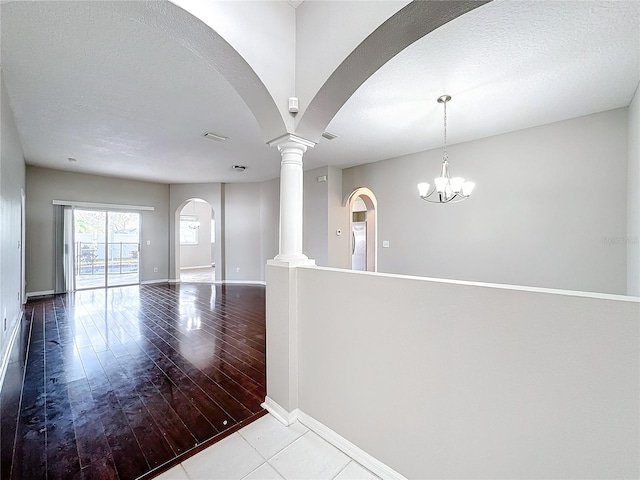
x=39 y=294
x=197 y=267
x=363 y=458
x=280 y=413
x=228 y=282
x=151 y=282
x=7 y=353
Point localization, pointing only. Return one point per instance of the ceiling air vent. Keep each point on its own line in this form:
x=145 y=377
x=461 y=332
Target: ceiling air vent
x=215 y=137
x=329 y=136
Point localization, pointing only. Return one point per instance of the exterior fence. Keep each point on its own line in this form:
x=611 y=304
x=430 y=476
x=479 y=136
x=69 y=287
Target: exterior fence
x=123 y=257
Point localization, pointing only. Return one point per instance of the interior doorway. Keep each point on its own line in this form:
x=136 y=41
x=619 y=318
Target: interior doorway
x=362 y=205
x=196 y=256
x=106 y=248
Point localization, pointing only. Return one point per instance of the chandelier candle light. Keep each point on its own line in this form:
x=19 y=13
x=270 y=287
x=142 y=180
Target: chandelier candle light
x=447 y=189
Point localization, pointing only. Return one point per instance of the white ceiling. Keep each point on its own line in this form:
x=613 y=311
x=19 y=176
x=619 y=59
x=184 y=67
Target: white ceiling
x=110 y=84
x=508 y=65
x=107 y=84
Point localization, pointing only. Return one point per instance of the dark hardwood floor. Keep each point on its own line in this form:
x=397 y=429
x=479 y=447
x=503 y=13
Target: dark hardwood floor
x=121 y=381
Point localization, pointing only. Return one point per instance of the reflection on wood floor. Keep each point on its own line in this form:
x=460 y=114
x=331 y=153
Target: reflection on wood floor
x=198 y=275
x=120 y=381
x=115 y=279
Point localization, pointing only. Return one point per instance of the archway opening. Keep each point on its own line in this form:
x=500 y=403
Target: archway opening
x=362 y=205
x=195 y=248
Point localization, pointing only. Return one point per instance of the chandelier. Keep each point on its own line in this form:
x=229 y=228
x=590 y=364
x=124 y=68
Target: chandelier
x=446 y=189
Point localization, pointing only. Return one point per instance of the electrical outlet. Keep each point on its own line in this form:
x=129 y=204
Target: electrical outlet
x=238 y=269
x=155 y=269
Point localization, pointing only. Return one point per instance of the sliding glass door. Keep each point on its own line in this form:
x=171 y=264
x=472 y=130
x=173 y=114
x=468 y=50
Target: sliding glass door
x=123 y=247
x=107 y=248
x=89 y=238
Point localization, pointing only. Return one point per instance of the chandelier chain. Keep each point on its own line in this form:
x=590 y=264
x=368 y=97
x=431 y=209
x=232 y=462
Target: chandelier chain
x=445 y=156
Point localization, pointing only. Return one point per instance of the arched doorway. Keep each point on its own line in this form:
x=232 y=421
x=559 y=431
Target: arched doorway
x=196 y=235
x=363 y=229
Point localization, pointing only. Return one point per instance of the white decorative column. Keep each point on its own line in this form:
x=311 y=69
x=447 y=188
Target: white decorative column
x=281 y=273
x=291 y=149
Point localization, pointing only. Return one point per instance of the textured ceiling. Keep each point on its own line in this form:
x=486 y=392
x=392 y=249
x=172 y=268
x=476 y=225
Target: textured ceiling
x=508 y=65
x=113 y=85
x=109 y=84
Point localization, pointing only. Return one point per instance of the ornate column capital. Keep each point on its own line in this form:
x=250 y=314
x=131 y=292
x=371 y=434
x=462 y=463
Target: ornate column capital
x=290 y=141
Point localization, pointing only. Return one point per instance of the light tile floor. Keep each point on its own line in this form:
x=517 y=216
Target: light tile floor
x=266 y=450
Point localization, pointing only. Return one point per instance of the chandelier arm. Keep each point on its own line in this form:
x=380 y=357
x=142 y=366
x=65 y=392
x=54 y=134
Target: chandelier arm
x=456 y=198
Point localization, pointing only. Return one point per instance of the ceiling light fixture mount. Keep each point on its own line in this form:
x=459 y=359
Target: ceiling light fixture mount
x=239 y=168
x=446 y=189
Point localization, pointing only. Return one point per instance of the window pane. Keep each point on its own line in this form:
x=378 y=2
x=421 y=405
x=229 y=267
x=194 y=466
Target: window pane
x=189 y=226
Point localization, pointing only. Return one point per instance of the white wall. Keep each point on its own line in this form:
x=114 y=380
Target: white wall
x=269 y=222
x=45 y=185
x=12 y=181
x=323 y=216
x=440 y=379
x=339 y=246
x=633 y=199
x=316 y=221
x=549 y=204
x=198 y=255
x=242 y=233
